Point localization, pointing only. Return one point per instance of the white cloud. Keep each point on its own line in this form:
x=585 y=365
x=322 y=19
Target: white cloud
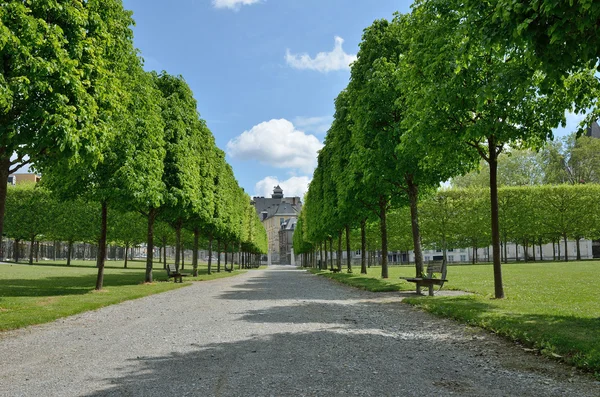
x=324 y=62
x=294 y=186
x=277 y=143
x=318 y=125
x=233 y=4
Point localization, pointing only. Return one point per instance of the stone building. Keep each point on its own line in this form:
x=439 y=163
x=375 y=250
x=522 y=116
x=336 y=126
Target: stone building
x=273 y=213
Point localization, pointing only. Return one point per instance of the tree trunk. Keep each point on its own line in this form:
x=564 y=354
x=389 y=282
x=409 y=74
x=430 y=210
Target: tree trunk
x=218 y=256
x=578 y=249
x=541 y=252
x=195 y=253
x=384 y=242
x=363 y=247
x=505 y=251
x=102 y=247
x=566 y=248
x=339 y=251
x=4 y=172
x=326 y=260
x=16 y=250
x=150 y=244
x=164 y=241
x=226 y=246
x=210 y=240
x=533 y=251
x=182 y=248
x=69 y=252
x=493 y=162
x=525 y=251
x=348 y=259
x=516 y=252
x=56 y=248
x=160 y=253
x=31 y=249
x=558 y=247
x=37 y=251
x=177 y=244
x=330 y=252
x=126 y=252
x=413 y=194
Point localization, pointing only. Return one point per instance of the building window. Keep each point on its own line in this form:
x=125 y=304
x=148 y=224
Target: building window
x=451 y=250
x=463 y=258
x=438 y=250
x=451 y=258
x=281 y=220
x=427 y=257
x=11 y=180
x=462 y=250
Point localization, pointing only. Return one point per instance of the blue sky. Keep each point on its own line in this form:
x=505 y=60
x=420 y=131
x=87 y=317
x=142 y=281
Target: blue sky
x=264 y=72
x=245 y=64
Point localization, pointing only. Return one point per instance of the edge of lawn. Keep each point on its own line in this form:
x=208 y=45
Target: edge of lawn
x=464 y=314
x=71 y=305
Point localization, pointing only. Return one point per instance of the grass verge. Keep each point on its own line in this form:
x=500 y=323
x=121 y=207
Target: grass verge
x=553 y=307
x=38 y=294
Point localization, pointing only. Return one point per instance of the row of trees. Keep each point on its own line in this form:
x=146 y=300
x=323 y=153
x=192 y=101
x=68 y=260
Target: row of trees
x=77 y=105
x=571 y=160
x=33 y=215
x=430 y=95
x=459 y=218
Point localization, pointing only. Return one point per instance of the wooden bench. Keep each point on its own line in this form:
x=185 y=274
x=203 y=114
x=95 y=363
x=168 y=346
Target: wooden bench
x=334 y=269
x=173 y=273
x=433 y=267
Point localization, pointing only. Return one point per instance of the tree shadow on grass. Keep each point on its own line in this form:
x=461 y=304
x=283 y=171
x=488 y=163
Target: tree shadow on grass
x=65 y=285
x=574 y=339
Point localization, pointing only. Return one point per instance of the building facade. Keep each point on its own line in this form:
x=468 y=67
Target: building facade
x=275 y=213
x=17 y=179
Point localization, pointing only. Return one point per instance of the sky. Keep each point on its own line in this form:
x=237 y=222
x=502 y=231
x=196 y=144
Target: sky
x=265 y=74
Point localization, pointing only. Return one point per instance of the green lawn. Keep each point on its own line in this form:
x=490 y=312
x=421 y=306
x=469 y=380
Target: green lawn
x=41 y=293
x=554 y=307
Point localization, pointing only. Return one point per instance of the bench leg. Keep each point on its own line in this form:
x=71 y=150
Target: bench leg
x=418 y=289
x=430 y=289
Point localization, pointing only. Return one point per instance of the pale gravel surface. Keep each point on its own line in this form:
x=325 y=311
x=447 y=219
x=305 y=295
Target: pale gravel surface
x=277 y=332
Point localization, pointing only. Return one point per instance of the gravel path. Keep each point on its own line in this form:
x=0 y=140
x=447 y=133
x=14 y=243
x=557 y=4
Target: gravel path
x=276 y=332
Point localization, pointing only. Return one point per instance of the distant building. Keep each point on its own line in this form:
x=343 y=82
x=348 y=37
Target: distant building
x=275 y=212
x=286 y=242
x=17 y=179
x=593 y=130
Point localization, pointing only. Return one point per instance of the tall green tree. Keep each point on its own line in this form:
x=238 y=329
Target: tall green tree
x=486 y=97
x=188 y=143
x=56 y=75
x=28 y=214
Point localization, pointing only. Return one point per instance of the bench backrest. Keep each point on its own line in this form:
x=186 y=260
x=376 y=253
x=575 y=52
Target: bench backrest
x=171 y=269
x=436 y=267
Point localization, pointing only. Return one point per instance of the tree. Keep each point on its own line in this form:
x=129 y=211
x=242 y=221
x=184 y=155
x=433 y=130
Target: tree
x=127 y=229
x=74 y=220
x=56 y=74
x=562 y=34
x=516 y=168
x=188 y=143
x=129 y=175
x=573 y=160
x=28 y=210
x=487 y=97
